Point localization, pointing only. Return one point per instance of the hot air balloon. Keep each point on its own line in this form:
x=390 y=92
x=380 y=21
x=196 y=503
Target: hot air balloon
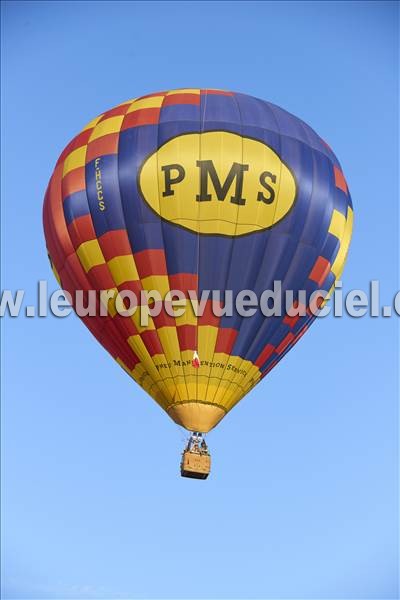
x=197 y=190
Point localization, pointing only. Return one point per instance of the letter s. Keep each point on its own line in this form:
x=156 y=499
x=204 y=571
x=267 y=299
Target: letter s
x=260 y=196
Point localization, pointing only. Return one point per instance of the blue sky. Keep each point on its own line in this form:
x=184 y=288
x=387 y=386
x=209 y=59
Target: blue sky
x=306 y=505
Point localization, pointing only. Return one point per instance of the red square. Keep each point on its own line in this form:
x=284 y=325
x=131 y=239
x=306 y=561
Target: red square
x=183 y=282
x=81 y=230
x=291 y=318
x=150 y=262
x=132 y=286
x=152 y=95
x=264 y=355
x=107 y=144
x=144 y=116
x=285 y=343
x=74 y=181
x=125 y=325
x=340 y=181
x=163 y=319
x=151 y=341
x=187 y=337
x=225 y=340
x=320 y=270
x=115 y=243
x=116 y=111
x=208 y=317
x=217 y=92
x=181 y=99
x=100 y=278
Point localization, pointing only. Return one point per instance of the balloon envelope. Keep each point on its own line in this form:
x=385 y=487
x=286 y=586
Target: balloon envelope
x=198 y=190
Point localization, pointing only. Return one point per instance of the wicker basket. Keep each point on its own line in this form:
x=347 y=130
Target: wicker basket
x=195 y=465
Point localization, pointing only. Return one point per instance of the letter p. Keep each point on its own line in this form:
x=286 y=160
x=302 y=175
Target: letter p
x=169 y=180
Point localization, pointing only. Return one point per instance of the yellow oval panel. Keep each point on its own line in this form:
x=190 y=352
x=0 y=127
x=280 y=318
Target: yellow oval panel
x=218 y=183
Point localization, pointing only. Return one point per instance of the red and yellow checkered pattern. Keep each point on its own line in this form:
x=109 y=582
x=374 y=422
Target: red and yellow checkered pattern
x=86 y=255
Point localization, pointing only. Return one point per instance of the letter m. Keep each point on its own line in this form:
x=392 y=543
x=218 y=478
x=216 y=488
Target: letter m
x=207 y=170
